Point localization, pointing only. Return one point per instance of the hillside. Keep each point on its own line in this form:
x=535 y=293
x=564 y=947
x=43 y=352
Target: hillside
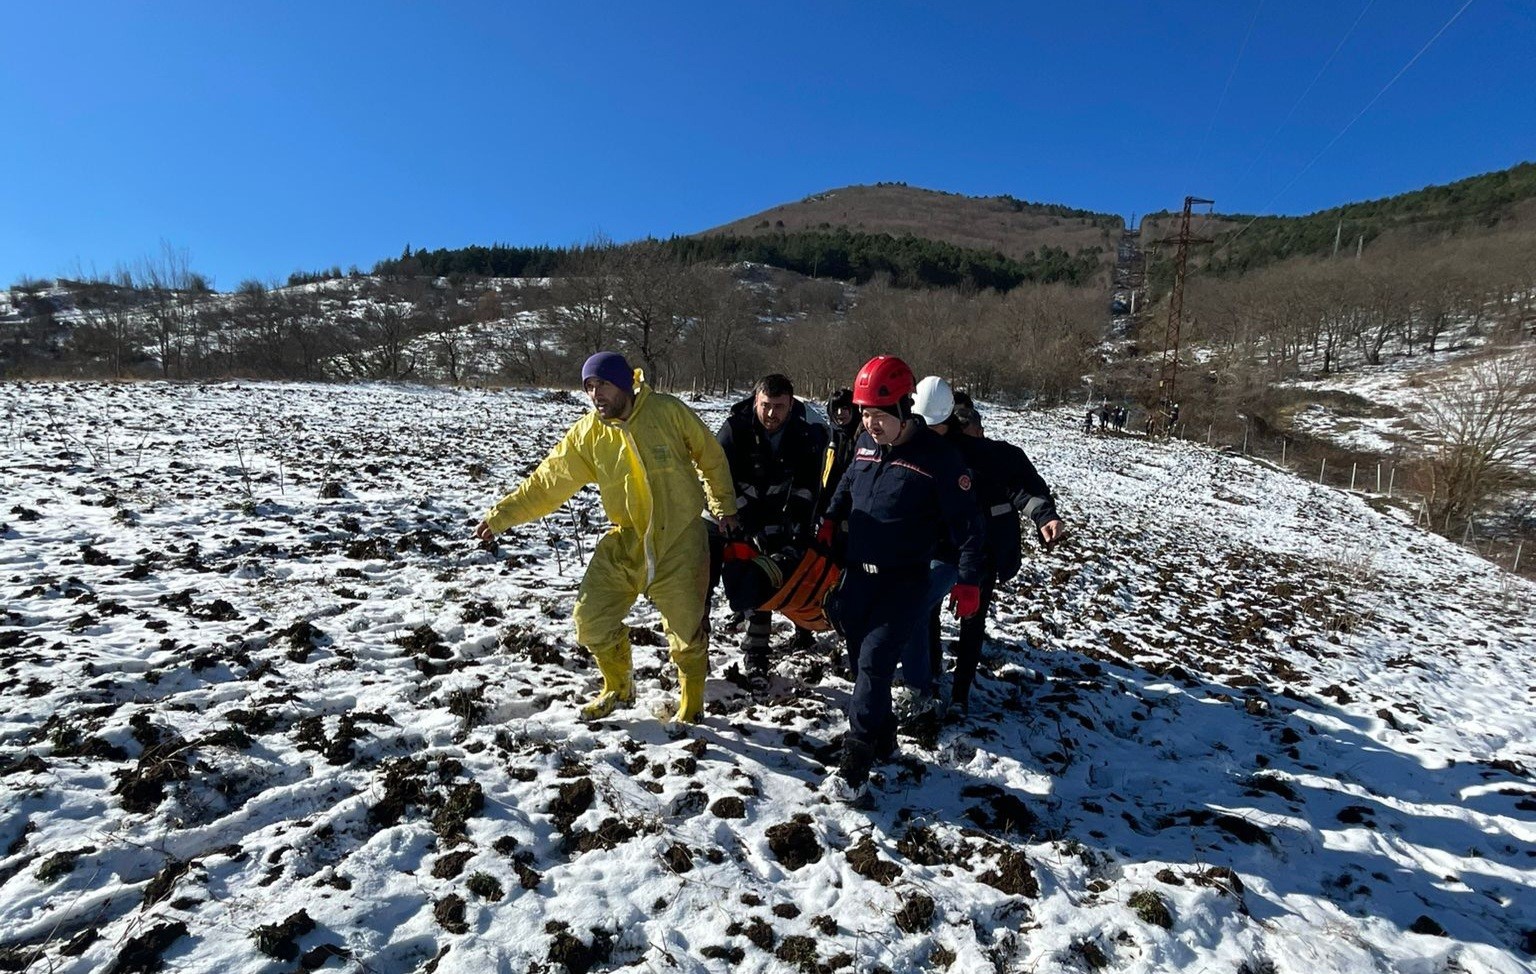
x=1012 y=227
x=1492 y=202
x=265 y=701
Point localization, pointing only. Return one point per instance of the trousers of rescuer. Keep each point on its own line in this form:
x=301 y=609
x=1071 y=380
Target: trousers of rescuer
x=615 y=578
x=879 y=614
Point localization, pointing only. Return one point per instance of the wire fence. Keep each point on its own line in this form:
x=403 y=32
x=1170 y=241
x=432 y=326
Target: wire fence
x=1385 y=480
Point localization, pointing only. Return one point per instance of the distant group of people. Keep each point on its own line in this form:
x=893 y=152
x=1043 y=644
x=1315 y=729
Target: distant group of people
x=864 y=523
x=1108 y=418
x=1104 y=418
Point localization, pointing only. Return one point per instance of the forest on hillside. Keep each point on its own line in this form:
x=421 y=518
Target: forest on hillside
x=1239 y=243
x=906 y=260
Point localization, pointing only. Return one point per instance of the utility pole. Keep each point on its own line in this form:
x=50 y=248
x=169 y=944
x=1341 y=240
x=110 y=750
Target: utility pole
x=1168 y=374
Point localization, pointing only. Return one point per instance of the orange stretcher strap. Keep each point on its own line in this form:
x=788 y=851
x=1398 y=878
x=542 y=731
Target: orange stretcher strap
x=802 y=598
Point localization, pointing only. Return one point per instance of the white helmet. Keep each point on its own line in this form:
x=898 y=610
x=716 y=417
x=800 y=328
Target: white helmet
x=933 y=400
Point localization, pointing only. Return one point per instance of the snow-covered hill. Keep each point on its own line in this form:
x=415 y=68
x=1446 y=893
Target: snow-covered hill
x=263 y=702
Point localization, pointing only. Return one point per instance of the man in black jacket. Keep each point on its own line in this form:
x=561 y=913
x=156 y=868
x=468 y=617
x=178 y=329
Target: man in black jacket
x=776 y=457
x=1007 y=485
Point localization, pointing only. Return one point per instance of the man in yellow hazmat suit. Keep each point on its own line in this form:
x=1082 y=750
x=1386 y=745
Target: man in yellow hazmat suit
x=646 y=451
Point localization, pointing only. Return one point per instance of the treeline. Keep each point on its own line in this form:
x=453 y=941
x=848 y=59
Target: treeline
x=1249 y=243
x=1058 y=210
x=690 y=325
x=1246 y=336
x=1019 y=206
x=908 y=261
x=497 y=260
x=1323 y=316
x=108 y=329
x=694 y=325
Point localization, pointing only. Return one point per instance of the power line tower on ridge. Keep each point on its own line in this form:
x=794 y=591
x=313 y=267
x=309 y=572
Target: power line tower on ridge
x=1168 y=373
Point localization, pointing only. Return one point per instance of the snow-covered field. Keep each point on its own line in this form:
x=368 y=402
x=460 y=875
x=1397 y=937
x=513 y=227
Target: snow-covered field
x=264 y=703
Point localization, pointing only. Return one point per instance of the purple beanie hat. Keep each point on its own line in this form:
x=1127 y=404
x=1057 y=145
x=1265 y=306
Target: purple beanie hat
x=609 y=366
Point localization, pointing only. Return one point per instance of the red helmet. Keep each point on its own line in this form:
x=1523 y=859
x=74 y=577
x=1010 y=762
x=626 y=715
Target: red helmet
x=882 y=382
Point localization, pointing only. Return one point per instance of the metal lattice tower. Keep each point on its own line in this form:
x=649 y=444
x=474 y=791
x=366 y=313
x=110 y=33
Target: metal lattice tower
x=1168 y=374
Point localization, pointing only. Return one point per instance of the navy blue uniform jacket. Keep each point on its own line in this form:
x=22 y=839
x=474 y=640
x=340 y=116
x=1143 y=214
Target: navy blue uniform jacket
x=903 y=502
x=1007 y=485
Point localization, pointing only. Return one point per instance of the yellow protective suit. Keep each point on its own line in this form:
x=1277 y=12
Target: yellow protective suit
x=647 y=468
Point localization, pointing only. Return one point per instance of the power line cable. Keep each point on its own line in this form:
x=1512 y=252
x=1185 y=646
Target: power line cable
x=1200 y=156
x=1264 y=149
x=1331 y=142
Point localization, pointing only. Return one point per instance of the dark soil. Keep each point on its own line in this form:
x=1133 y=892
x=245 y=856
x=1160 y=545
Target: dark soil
x=576 y=956
x=450 y=913
x=609 y=835
x=1427 y=926
x=575 y=798
x=921 y=847
x=916 y=914
x=1013 y=876
x=1151 y=908
x=160 y=887
x=678 y=857
x=451 y=865
x=865 y=860
x=463 y=802
x=1003 y=814
x=141 y=955
x=799 y=952
x=729 y=807
x=402 y=786
x=280 y=940
x=794 y=844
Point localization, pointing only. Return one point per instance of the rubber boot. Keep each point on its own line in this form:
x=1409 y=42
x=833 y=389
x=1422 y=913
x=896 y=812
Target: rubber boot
x=618 y=682
x=692 y=673
x=755 y=650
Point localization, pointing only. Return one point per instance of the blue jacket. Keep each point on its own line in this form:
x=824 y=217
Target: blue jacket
x=903 y=503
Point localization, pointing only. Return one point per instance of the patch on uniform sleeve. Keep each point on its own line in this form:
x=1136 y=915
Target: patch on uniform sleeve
x=965 y=481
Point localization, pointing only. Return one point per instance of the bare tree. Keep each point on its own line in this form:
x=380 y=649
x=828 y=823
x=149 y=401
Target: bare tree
x=1482 y=423
x=580 y=309
x=171 y=290
x=1041 y=337
x=525 y=353
x=305 y=329
x=453 y=342
x=111 y=329
x=653 y=295
x=721 y=339
x=380 y=339
x=1387 y=309
x=256 y=317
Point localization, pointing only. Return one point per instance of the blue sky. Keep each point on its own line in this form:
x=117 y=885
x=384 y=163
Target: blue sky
x=262 y=138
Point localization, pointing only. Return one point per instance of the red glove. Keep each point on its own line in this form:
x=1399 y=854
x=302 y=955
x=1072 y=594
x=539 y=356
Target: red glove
x=965 y=600
x=825 y=532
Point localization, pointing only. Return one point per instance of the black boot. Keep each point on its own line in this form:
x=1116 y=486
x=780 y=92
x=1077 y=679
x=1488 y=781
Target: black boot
x=755 y=649
x=850 y=782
